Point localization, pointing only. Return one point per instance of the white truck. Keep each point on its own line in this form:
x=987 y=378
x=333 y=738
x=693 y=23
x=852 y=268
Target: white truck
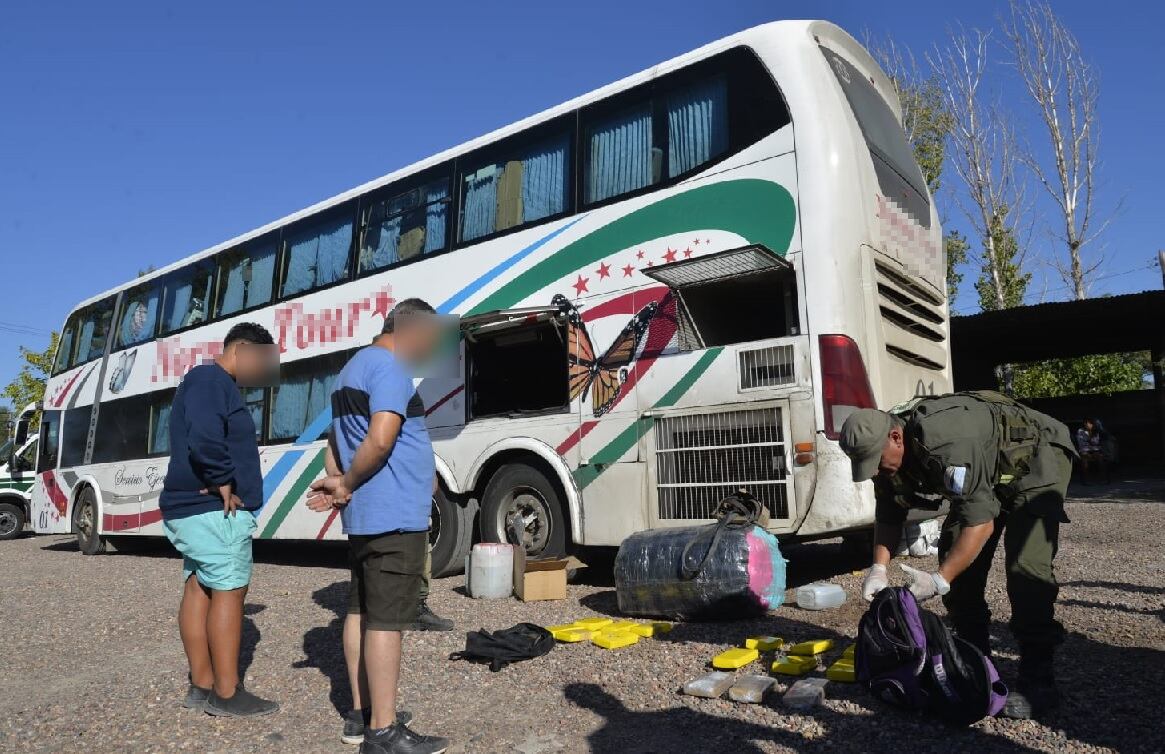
x=17 y=473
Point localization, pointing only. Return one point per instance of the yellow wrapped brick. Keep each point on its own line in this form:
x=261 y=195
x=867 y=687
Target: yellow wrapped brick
x=764 y=643
x=561 y=627
x=842 y=670
x=809 y=648
x=734 y=658
x=794 y=665
x=620 y=625
x=661 y=626
x=614 y=639
x=572 y=634
x=645 y=630
x=593 y=624
x=849 y=651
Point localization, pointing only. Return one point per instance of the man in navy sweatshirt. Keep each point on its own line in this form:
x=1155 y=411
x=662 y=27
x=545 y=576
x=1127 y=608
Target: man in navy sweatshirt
x=213 y=487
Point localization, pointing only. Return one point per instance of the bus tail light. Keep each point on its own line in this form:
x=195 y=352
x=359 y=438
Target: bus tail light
x=803 y=453
x=845 y=386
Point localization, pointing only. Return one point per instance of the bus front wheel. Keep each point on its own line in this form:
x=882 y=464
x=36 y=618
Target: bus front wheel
x=11 y=521
x=85 y=523
x=520 y=491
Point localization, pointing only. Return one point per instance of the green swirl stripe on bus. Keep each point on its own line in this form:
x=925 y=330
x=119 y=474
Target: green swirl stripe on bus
x=295 y=494
x=760 y=211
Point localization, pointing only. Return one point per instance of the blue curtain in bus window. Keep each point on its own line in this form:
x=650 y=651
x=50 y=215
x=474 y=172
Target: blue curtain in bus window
x=697 y=125
x=253 y=397
x=544 y=181
x=481 y=203
x=138 y=319
x=297 y=401
x=248 y=281
x=379 y=247
x=435 y=215
x=160 y=431
x=318 y=257
x=620 y=154
x=86 y=340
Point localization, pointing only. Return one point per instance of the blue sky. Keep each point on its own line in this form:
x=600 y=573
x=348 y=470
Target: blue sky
x=136 y=133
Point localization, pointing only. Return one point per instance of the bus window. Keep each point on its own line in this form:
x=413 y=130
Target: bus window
x=899 y=176
x=245 y=278
x=621 y=154
x=187 y=296
x=93 y=330
x=139 y=315
x=303 y=393
x=697 y=125
x=405 y=226
x=26 y=460
x=255 y=399
x=159 y=442
x=317 y=255
x=50 y=425
x=121 y=433
x=75 y=435
x=529 y=184
x=65 y=345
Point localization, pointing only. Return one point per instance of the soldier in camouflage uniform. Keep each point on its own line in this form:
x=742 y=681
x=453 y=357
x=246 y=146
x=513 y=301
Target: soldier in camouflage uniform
x=1005 y=469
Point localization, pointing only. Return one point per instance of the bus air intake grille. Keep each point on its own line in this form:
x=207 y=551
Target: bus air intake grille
x=703 y=458
x=766 y=367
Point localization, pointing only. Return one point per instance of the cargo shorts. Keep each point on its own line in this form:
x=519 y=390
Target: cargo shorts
x=387 y=571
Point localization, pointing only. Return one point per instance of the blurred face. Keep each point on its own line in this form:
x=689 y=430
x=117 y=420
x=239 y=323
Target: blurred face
x=256 y=365
x=416 y=337
x=892 y=453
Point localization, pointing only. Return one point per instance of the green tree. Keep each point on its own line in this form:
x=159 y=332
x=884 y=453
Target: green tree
x=1085 y=375
x=1011 y=286
x=29 y=384
x=955 y=248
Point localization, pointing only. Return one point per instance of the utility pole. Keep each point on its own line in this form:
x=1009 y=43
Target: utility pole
x=1161 y=264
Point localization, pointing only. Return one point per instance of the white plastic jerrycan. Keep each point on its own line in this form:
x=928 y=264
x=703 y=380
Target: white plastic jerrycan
x=490 y=571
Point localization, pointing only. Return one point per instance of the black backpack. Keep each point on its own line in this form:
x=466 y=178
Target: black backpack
x=524 y=641
x=906 y=656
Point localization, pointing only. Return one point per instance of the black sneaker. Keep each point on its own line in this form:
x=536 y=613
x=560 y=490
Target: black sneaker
x=398 y=739
x=427 y=620
x=242 y=704
x=1031 y=700
x=357 y=720
x=196 y=698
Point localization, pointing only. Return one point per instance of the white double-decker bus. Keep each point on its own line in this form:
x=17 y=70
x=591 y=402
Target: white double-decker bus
x=671 y=287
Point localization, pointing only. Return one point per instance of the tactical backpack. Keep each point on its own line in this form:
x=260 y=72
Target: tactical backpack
x=524 y=641
x=907 y=657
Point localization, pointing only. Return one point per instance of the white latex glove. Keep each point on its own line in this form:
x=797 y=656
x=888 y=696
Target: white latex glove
x=876 y=580
x=925 y=585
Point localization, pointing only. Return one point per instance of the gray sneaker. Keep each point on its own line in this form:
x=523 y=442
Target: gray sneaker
x=242 y=704
x=398 y=739
x=196 y=698
x=357 y=720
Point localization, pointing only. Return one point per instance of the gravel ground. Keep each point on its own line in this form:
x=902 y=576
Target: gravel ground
x=92 y=660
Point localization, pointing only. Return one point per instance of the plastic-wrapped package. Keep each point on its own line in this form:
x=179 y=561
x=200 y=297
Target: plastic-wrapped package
x=711 y=572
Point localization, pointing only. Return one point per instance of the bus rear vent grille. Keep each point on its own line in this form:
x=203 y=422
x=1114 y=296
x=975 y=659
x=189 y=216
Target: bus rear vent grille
x=703 y=458
x=766 y=367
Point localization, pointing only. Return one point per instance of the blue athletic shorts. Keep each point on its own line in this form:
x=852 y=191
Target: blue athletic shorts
x=215 y=547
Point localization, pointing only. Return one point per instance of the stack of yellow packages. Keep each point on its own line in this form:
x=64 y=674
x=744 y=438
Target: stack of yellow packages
x=843 y=669
x=607 y=633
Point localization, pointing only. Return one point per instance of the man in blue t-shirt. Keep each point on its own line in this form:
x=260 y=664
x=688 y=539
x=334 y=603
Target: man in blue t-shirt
x=381 y=476
x=213 y=487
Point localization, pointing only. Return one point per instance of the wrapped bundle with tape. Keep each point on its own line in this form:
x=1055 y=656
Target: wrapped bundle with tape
x=730 y=569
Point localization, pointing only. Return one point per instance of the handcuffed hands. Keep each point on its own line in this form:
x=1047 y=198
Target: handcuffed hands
x=875 y=581
x=925 y=585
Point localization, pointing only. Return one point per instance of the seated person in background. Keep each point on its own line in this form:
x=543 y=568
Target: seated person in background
x=1088 y=445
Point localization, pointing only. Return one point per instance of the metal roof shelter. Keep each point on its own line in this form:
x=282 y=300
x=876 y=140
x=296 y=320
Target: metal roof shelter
x=1062 y=329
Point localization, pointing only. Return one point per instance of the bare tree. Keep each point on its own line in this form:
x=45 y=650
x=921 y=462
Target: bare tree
x=984 y=155
x=1065 y=88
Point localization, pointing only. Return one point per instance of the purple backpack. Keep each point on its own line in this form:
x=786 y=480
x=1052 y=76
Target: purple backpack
x=907 y=657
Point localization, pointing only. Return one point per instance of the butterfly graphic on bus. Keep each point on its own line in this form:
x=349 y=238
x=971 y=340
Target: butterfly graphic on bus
x=601 y=376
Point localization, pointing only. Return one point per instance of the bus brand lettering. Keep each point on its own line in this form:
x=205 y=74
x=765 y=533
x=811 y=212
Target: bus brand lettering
x=294 y=326
x=150 y=477
x=175 y=360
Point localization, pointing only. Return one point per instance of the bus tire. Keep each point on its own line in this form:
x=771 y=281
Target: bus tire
x=519 y=488
x=450 y=535
x=12 y=521
x=85 y=526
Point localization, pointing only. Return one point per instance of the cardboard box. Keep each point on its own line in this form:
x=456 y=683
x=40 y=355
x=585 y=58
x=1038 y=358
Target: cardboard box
x=541 y=579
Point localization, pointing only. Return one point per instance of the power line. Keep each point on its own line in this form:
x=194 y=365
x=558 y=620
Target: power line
x=19 y=329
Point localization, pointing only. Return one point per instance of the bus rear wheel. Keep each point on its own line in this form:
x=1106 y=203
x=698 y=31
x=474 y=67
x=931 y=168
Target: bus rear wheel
x=523 y=491
x=450 y=534
x=11 y=521
x=89 y=541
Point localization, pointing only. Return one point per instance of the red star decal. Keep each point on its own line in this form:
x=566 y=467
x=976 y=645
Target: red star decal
x=580 y=285
x=627 y=271
x=696 y=242
x=384 y=302
x=707 y=240
x=604 y=271
x=650 y=263
x=688 y=252
x=639 y=254
x=670 y=256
